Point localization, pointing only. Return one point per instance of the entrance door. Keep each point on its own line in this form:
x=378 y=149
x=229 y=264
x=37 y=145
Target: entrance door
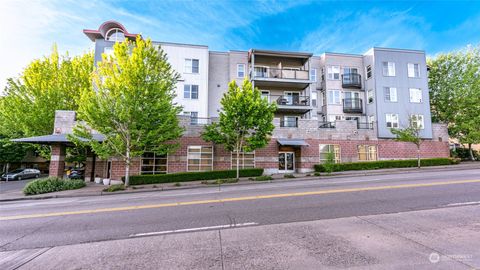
x=293 y=98
x=286 y=162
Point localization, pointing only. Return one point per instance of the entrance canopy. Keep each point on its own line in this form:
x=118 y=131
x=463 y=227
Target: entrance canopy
x=55 y=139
x=292 y=142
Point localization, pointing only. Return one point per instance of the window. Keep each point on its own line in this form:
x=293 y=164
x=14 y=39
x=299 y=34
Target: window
x=199 y=158
x=371 y=119
x=369 y=72
x=367 y=152
x=115 y=35
x=289 y=121
x=334 y=97
x=349 y=70
x=246 y=160
x=333 y=118
x=415 y=95
x=324 y=149
x=190 y=91
x=323 y=74
x=191 y=65
x=193 y=117
x=240 y=70
x=313 y=74
x=153 y=163
x=390 y=94
x=314 y=98
x=370 y=98
x=413 y=70
x=333 y=72
x=417 y=121
x=392 y=120
x=388 y=68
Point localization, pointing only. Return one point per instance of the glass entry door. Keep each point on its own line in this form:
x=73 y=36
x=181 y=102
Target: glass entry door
x=286 y=162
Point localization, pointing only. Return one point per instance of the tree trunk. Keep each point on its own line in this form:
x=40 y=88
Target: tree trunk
x=471 y=152
x=127 y=169
x=418 y=156
x=238 y=164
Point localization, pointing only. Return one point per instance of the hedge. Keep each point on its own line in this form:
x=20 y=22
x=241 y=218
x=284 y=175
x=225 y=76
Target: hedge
x=191 y=176
x=383 y=164
x=51 y=184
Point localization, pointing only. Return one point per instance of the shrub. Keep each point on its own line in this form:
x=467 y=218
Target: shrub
x=316 y=174
x=263 y=178
x=191 y=176
x=382 y=164
x=464 y=154
x=329 y=163
x=114 y=188
x=51 y=184
x=288 y=175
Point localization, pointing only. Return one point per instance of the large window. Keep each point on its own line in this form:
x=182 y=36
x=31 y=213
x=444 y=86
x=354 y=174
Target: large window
x=153 y=163
x=392 y=120
x=413 y=70
x=325 y=149
x=333 y=72
x=246 y=160
x=369 y=72
x=334 y=97
x=367 y=152
x=191 y=65
x=190 y=91
x=313 y=74
x=199 y=158
x=415 y=95
x=115 y=35
x=390 y=94
x=417 y=121
x=388 y=68
x=240 y=70
x=370 y=96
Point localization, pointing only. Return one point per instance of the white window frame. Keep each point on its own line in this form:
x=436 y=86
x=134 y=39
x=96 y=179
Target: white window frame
x=189 y=65
x=233 y=157
x=367 y=71
x=369 y=150
x=239 y=70
x=334 y=96
x=415 y=95
x=314 y=99
x=388 y=69
x=418 y=120
x=190 y=88
x=332 y=71
x=154 y=158
x=392 y=94
x=370 y=96
x=198 y=155
x=313 y=74
x=267 y=96
x=290 y=119
x=393 y=119
x=336 y=151
x=193 y=117
x=412 y=73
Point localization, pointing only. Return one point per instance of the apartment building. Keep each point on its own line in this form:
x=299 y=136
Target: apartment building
x=333 y=102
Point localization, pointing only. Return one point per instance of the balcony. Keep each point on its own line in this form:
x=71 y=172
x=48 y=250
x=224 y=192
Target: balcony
x=287 y=77
x=352 y=80
x=292 y=103
x=352 y=105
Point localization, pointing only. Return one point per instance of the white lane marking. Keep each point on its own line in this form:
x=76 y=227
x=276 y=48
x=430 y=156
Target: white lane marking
x=464 y=203
x=195 y=229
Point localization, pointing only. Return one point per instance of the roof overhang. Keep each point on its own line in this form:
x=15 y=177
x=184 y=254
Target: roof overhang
x=301 y=55
x=103 y=29
x=56 y=139
x=292 y=142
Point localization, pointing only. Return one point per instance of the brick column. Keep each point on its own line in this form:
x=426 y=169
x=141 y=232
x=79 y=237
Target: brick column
x=57 y=160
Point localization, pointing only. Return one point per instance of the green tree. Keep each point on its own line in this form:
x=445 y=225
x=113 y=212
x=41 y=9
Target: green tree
x=132 y=105
x=329 y=163
x=410 y=134
x=454 y=83
x=45 y=85
x=245 y=122
x=11 y=152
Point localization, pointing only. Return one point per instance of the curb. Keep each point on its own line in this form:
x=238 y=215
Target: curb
x=248 y=182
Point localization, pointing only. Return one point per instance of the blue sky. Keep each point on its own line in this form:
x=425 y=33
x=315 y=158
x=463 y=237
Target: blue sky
x=29 y=28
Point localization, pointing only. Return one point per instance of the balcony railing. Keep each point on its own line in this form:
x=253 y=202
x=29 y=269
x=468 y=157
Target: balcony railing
x=280 y=73
x=326 y=124
x=352 y=80
x=291 y=100
x=289 y=123
x=364 y=125
x=200 y=121
x=352 y=105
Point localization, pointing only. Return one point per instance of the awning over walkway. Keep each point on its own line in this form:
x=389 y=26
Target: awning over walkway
x=292 y=142
x=54 y=139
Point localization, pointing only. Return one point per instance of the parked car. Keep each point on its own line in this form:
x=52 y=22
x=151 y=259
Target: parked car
x=76 y=174
x=20 y=174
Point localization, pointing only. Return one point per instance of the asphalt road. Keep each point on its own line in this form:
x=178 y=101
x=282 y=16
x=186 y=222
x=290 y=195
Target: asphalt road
x=13 y=185
x=49 y=223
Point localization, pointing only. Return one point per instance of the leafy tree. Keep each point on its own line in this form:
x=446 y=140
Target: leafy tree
x=410 y=134
x=132 y=105
x=245 y=122
x=329 y=163
x=454 y=83
x=11 y=152
x=45 y=85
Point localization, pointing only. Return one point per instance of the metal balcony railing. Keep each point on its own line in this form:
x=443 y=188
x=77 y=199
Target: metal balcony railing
x=291 y=100
x=352 y=80
x=280 y=73
x=200 y=121
x=352 y=105
x=364 y=125
x=326 y=124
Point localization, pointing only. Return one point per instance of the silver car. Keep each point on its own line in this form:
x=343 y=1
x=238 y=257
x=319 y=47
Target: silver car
x=20 y=174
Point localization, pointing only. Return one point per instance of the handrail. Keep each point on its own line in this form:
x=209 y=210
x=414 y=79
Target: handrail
x=352 y=105
x=326 y=124
x=280 y=73
x=291 y=100
x=352 y=80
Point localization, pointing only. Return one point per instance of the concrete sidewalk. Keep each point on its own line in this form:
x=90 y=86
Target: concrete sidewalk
x=93 y=189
